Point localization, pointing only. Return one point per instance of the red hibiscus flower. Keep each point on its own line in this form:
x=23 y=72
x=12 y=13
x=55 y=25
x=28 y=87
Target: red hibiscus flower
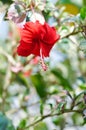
x=37 y=39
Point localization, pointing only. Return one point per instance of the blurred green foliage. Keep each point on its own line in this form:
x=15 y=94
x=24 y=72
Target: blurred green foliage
x=41 y=126
x=6 y=1
x=27 y=93
x=5 y=123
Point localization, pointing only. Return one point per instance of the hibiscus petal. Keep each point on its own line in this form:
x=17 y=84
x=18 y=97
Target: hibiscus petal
x=33 y=28
x=26 y=36
x=30 y=36
x=36 y=48
x=24 y=49
x=48 y=39
x=49 y=36
x=46 y=49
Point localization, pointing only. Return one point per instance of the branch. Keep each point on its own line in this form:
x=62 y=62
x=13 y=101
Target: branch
x=72 y=33
x=51 y=115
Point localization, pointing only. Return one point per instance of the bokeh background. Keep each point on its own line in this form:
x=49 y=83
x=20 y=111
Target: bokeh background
x=26 y=91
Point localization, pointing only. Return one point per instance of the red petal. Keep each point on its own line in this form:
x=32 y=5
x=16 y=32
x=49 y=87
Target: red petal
x=49 y=36
x=48 y=39
x=24 y=49
x=31 y=31
x=36 y=48
x=30 y=36
x=46 y=49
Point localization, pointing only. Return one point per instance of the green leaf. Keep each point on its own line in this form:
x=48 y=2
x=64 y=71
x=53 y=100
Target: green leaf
x=65 y=1
x=41 y=126
x=41 y=107
x=77 y=119
x=7 y=1
x=59 y=120
x=83 y=13
x=60 y=106
x=51 y=106
x=39 y=84
x=64 y=28
x=63 y=81
x=22 y=124
x=83 y=86
x=5 y=123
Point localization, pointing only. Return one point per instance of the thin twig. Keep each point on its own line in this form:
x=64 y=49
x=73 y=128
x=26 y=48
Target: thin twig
x=72 y=33
x=51 y=115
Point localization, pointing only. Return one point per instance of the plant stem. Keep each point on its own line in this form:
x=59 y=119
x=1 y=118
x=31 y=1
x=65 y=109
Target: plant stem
x=51 y=115
x=72 y=33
